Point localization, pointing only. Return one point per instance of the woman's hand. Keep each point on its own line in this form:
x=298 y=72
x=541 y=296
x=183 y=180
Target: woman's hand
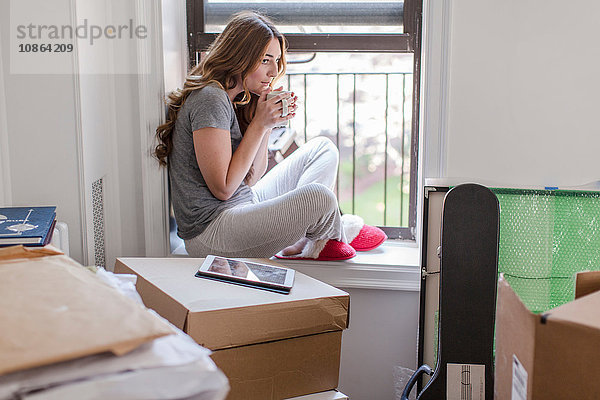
x=268 y=112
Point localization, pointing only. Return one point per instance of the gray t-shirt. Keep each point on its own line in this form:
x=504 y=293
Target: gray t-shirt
x=193 y=203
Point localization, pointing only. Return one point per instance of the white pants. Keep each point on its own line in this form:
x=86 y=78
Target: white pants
x=292 y=201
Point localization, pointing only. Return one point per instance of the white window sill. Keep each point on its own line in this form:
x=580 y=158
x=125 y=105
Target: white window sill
x=392 y=266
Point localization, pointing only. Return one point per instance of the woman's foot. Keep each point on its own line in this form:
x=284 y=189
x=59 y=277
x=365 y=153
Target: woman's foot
x=321 y=250
x=360 y=236
x=296 y=248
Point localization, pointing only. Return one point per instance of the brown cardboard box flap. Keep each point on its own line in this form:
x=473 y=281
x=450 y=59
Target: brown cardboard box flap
x=557 y=350
x=582 y=311
x=586 y=283
x=255 y=324
x=566 y=361
x=513 y=320
x=52 y=309
x=155 y=298
x=20 y=251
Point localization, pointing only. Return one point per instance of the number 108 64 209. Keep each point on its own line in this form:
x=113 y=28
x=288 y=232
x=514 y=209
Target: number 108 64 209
x=45 y=48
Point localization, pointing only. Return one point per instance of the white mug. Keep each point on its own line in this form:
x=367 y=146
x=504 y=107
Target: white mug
x=284 y=102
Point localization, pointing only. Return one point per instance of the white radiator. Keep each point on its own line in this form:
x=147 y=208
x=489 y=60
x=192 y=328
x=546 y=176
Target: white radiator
x=60 y=237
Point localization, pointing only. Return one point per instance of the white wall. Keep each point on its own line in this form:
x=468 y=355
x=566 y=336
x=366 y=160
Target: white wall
x=174 y=38
x=60 y=133
x=41 y=139
x=97 y=119
x=381 y=337
x=5 y=185
x=523 y=88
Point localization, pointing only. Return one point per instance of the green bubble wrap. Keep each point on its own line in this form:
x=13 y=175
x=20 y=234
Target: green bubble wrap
x=546 y=236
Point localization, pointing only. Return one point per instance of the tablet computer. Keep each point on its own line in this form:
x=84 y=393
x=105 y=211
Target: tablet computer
x=261 y=276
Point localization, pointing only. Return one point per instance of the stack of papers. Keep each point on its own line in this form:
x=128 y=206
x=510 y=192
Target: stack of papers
x=68 y=332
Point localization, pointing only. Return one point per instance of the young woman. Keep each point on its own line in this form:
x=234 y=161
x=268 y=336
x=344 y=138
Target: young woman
x=215 y=146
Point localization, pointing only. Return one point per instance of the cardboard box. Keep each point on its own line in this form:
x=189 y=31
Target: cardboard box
x=270 y=345
x=552 y=355
x=52 y=309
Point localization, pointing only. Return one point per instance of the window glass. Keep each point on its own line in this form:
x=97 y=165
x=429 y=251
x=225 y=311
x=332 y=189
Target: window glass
x=363 y=103
x=331 y=16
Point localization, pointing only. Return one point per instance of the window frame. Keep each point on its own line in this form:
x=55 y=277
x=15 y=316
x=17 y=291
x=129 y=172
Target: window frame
x=407 y=42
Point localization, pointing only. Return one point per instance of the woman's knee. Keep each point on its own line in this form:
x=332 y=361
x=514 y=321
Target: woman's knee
x=326 y=143
x=319 y=198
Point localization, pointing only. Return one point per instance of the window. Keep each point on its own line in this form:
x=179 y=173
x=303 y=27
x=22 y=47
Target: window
x=355 y=66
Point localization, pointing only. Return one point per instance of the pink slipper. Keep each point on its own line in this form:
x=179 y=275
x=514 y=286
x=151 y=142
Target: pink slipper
x=322 y=250
x=360 y=236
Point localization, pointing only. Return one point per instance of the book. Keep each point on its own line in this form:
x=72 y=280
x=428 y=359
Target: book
x=29 y=226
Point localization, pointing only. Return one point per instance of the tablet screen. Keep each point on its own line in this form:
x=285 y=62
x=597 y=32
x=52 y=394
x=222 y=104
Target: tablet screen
x=259 y=273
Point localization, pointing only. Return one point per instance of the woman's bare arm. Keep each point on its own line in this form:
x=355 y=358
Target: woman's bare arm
x=261 y=161
x=223 y=171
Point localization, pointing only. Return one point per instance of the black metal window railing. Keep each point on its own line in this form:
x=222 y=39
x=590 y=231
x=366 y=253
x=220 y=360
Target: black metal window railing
x=368 y=116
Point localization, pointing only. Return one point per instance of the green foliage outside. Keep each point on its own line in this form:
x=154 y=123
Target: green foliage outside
x=369 y=203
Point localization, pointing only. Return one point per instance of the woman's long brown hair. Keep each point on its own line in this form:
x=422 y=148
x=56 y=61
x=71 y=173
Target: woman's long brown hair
x=237 y=51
